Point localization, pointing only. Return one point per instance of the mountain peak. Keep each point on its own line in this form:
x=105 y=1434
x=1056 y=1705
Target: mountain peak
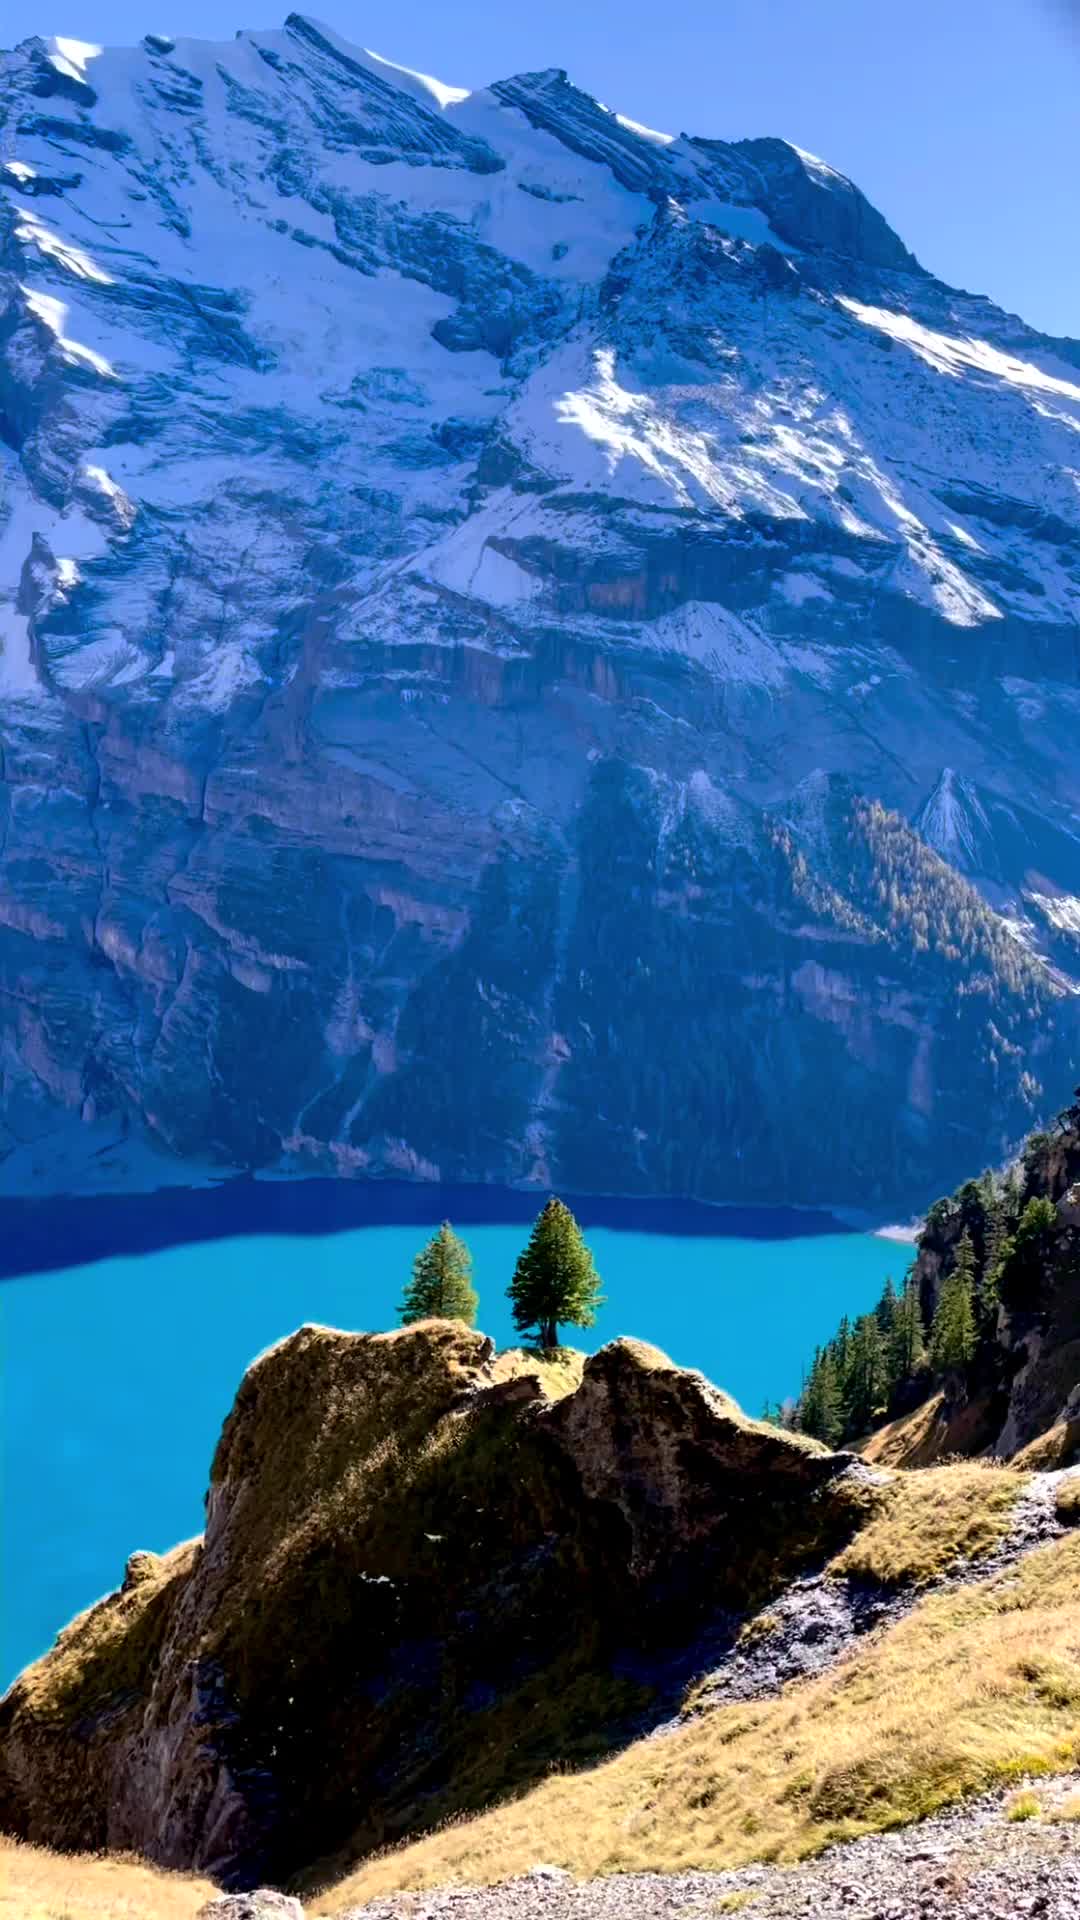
x=440 y=529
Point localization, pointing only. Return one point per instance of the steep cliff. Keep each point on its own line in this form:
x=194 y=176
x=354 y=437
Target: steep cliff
x=424 y=1580
x=531 y=649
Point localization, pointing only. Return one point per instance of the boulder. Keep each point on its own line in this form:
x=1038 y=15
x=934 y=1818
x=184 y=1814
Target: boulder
x=262 y=1903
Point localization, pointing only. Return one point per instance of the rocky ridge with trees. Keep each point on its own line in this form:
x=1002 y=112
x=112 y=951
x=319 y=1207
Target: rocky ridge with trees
x=985 y=1325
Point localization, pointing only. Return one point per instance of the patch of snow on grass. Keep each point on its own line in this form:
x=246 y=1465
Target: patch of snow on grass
x=109 y=660
x=229 y=672
x=466 y=563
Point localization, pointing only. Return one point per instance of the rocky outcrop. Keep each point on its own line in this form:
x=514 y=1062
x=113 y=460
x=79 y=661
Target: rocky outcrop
x=470 y=569
x=1020 y=1396
x=422 y=1580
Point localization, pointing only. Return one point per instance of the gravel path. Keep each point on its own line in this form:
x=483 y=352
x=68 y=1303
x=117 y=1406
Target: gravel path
x=970 y=1863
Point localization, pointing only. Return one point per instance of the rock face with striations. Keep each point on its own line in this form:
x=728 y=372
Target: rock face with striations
x=529 y=649
x=423 y=1580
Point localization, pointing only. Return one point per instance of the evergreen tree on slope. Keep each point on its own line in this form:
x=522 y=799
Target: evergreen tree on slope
x=953 y=1336
x=554 y=1280
x=441 y=1285
x=907 y=1347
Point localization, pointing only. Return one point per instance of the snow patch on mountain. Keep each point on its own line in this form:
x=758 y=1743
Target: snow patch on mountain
x=956 y=357
x=443 y=95
x=954 y=822
x=388 y=469
x=71 y=57
x=1062 y=910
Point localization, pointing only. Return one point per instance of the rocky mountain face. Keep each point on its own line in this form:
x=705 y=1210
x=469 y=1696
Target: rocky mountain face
x=428 y=1575
x=532 y=649
x=1020 y=1398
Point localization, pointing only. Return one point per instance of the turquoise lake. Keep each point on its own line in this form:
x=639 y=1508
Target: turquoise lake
x=117 y=1373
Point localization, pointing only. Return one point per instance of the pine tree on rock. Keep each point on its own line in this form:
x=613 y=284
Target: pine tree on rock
x=953 y=1335
x=554 y=1280
x=441 y=1285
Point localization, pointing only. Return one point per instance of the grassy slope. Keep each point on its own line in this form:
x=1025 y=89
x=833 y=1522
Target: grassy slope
x=38 y=1885
x=926 y=1522
x=978 y=1685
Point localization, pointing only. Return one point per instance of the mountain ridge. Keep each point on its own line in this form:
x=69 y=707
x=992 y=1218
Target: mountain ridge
x=411 y=499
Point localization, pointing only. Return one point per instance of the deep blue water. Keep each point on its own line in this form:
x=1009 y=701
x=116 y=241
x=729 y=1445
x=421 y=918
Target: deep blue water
x=118 y=1370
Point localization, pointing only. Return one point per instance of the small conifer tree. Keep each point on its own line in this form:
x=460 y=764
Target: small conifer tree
x=953 y=1337
x=554 y=1280
x=441 y=1285
x=821 y=1411
x=886 y=1308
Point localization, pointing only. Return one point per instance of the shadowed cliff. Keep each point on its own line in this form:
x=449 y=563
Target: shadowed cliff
x=427 y=1573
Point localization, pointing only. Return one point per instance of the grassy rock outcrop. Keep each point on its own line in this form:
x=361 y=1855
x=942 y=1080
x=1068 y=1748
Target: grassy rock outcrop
x=426 y=1574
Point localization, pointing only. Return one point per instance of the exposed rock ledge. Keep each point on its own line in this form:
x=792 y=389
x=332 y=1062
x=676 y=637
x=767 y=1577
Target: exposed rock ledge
x=425 y=1573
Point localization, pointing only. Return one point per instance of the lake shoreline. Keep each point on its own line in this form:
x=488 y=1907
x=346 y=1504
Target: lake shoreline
x=42 y=1235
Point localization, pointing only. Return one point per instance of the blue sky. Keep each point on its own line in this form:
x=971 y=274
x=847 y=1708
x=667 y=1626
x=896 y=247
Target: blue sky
x=959 y=118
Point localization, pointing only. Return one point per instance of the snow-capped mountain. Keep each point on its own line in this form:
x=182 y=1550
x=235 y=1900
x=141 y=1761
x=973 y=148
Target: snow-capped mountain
x=532 y=648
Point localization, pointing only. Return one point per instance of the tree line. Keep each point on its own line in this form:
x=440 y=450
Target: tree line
x=554 y=1284
x=997 y=1242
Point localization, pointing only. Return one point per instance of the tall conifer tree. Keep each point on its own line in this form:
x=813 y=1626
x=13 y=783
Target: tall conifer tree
x=441 y=1286
x=554 y=1281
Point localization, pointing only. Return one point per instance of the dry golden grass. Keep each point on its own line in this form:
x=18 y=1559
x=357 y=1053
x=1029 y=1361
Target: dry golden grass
x=908 y=1441
x=1067 y=1502
x=976 y=1687
x=1059 y=1446
x=1024 y=1806
x=106 y=1646
x=559 y=1372
x=1067 y=1809
x=929 y=1520
x=37 y=1885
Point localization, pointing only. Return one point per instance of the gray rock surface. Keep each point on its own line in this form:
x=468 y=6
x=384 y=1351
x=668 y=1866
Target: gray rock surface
x=263 y=1903
x=970 y=1863
x=818 y=1619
